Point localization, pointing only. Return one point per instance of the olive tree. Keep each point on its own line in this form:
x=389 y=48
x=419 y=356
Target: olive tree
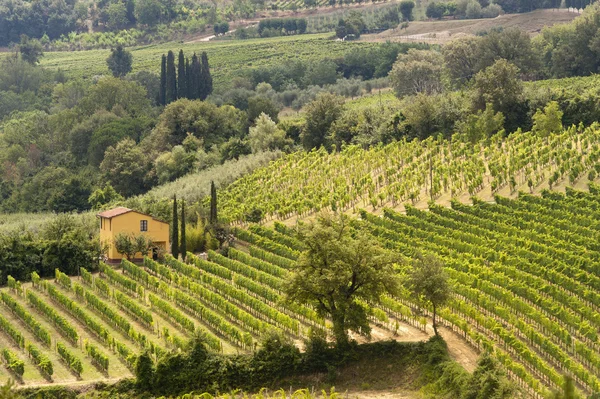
x=340 y=272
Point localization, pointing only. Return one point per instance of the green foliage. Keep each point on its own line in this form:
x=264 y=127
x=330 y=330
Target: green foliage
x=338 y=272
x=30 y=49
x=320 y=115
x=132 y=244
x=119 y=62
x=418 y=71
x=482 y=125
x=549 y=121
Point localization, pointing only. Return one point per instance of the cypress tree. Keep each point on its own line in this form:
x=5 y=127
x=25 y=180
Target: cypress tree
x=183 y=242
x=188 y=78
x=171 y=91
x=181 y=77
x=213 y=204
x=195 y=78
x=163 y=81
x=206 y=78
x=175 y=232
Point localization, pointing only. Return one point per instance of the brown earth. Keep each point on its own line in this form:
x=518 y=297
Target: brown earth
x=441 y=32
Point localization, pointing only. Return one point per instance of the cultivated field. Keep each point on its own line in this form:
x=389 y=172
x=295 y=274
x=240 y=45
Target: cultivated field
x=227 y=58
x=443 y=31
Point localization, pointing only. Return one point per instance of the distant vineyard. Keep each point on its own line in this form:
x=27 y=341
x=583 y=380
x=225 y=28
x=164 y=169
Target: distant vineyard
x=226 y=58
x=411 y=171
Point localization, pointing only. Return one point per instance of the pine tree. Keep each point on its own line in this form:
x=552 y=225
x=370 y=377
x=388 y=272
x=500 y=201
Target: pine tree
x=183 y=241
x=206 y=78
x=175 y=232
x=195 y=78
x=181 y=77
x=162 y=94
x=213 y=204
x=171 y=91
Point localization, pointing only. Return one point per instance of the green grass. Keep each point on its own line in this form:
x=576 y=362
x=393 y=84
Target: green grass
x=227 y=58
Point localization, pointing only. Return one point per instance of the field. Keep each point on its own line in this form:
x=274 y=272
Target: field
x=521 y=289
x=227 y=58
x=443 y=31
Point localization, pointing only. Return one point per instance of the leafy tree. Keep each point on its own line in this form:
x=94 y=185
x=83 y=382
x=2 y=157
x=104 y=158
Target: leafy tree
x=549 y=121
x=30 y=49
x=126 y=167
x=265 y=135
x=175 y=230
x=320 y=115
x=340 y=272
x=429 y=283
x=481 y=125
x=461 y=59
x=144 y=371
x=417 y=71
x=148 y=12
x=103 y=196
x=321 y=73
x=132 y=244
x=498 y=85
x=258 y=105
x=406 y=9
x=119 y=61
x=488 y=380
x=435 y=10
x=120 y=95
x=115 y=15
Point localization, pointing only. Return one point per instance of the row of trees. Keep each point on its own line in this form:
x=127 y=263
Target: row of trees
x=184 y=80
x=281 y=26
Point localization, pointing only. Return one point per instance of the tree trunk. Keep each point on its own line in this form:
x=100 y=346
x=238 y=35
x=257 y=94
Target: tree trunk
x=339 y=330
x=434 y=325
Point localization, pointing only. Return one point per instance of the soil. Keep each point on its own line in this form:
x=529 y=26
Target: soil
x=440 y=32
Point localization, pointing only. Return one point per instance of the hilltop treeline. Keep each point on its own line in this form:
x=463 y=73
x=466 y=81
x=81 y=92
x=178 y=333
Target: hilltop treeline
x=281 y=26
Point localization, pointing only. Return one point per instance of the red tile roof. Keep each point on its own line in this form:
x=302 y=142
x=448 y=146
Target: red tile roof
x=121 y=210
x=114 y=212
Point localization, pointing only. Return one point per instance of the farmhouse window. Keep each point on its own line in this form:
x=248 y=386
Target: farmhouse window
x=143 y=225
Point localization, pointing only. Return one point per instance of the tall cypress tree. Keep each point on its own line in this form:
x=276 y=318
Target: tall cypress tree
x=175 y=232
x=213 y=204
x=183 y=242
x=206 y=78
x=188 y=78
x=162 y=93
x=171 y=91
x=181 y=79
x=195 y=78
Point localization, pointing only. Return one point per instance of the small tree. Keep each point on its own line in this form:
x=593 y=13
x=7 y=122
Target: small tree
x=175 y=231
x=429 y=283
x=119 y=61
x=549 y=121
x=30 y=49
x=183 y=239
x=340 y=272
x=406 y=9
x=144 y=371
x=129 y=245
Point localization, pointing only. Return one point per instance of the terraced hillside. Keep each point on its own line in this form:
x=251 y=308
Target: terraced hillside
x=524 y=274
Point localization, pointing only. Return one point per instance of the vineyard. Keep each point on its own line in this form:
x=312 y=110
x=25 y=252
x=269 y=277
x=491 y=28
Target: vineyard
x=438 y=169
x=227 y=58
x=524 y=273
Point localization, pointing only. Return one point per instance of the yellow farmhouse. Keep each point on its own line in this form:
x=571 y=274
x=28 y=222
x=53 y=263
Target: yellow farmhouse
x=128 y=221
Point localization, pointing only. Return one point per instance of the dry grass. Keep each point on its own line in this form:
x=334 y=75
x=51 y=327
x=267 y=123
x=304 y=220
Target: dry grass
x=443 y=31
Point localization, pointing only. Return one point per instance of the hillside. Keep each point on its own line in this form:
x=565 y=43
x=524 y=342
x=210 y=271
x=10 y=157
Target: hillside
x=227 y=58
x=440 y=32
